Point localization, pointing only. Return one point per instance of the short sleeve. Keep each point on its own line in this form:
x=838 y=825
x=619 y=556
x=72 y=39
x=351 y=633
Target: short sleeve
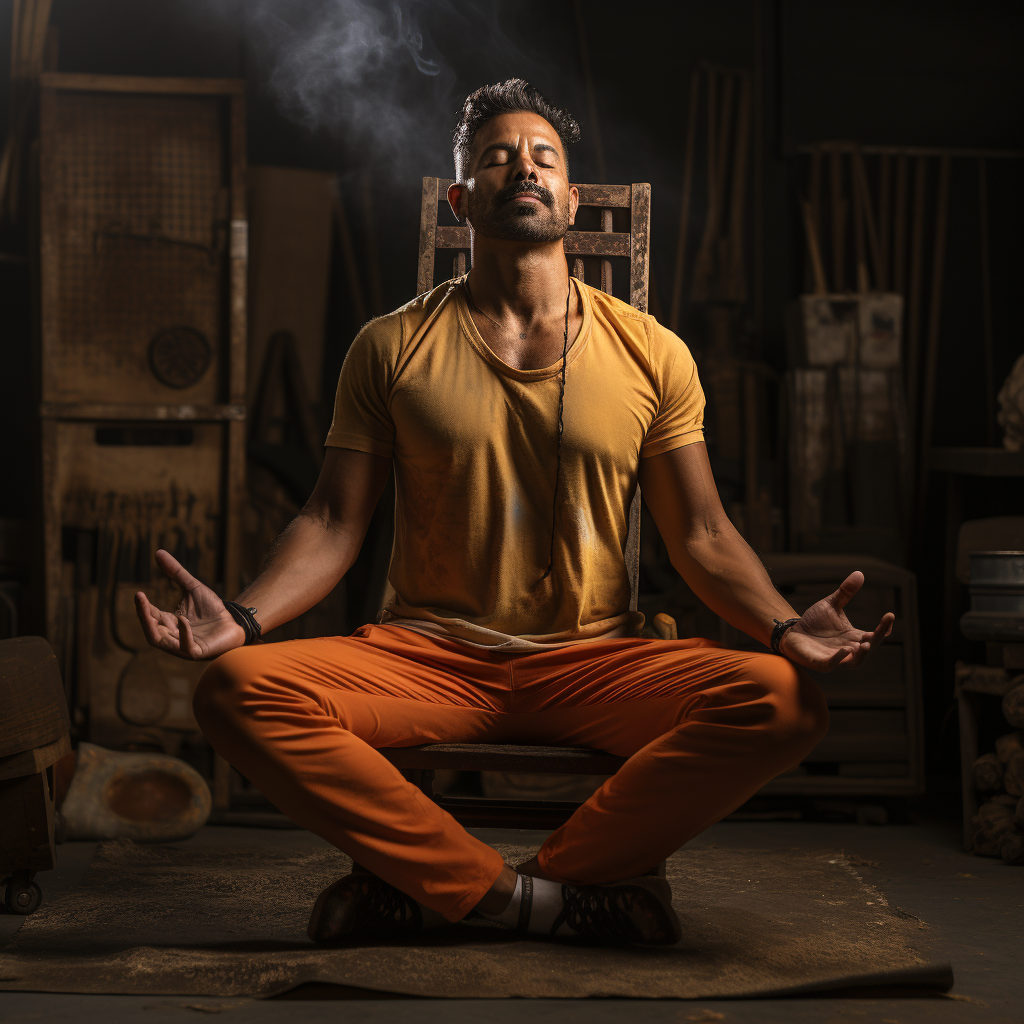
x=679 y=420
x=362 y=420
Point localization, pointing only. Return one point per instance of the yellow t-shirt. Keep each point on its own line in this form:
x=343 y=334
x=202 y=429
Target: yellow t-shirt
x=473 y=441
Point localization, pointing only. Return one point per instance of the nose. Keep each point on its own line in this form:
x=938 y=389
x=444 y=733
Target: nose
x=525 y=169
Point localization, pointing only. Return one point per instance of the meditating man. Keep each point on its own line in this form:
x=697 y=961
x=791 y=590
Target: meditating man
x=519 y=409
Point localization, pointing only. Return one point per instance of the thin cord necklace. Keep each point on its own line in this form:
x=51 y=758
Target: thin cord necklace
x=561 y=409
x=561 y=429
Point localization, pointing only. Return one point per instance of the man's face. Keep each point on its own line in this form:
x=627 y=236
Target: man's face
x=517 y=185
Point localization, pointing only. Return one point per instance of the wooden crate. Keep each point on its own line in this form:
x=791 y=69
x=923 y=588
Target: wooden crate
x=142 y=255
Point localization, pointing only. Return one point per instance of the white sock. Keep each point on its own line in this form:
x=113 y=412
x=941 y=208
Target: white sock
x=544 y=903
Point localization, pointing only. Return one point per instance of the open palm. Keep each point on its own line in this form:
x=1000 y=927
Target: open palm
x=200 y=628
x=825 y=639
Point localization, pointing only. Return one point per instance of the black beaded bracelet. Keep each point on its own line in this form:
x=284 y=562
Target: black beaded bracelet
x=246 y=618
x=780 y=630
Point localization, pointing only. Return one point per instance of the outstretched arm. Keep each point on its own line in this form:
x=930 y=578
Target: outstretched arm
x=303 y=567
x=722 y=570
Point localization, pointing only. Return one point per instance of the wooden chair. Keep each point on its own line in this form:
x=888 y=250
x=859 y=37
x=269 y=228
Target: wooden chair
x=611 y=208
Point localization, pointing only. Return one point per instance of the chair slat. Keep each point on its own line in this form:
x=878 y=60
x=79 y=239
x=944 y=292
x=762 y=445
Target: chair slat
x=428 y=232
x=605 y=195
x=505 y=757
x=640 y=232
x=581 y=243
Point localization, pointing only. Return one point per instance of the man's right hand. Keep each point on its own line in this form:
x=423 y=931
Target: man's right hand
x=200 y=628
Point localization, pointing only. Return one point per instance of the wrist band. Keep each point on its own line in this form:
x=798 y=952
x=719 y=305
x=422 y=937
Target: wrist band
x=780 y=630
x=246 y=618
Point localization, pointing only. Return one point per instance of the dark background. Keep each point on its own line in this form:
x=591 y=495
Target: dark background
x=902 y=73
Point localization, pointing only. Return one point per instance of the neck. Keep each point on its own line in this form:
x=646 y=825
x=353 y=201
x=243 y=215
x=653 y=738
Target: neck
x=527 y=279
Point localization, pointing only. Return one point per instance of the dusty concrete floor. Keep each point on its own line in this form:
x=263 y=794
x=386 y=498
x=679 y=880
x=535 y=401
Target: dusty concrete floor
x=974 y=909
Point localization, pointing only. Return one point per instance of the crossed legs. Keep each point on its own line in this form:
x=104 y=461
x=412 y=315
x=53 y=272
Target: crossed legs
x=704 y=728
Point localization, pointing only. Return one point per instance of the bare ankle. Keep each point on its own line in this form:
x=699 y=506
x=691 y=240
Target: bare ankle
x=499 y=896
x=532 y=868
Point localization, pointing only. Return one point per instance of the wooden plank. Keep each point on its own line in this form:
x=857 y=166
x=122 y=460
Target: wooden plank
x=136 y=411
x=577 y=243
x=238 y=254
x=234 y=500
x=640 y=244
x=444 y=236
x=605 y=195
x=30 y=762
x=138 y=83
x=428 y=234
x=504 y=758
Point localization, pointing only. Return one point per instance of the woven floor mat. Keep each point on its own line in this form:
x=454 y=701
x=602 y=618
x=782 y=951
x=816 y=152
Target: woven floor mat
x=227 y=919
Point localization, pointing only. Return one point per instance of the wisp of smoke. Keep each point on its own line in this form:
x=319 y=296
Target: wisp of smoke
x=372 y=76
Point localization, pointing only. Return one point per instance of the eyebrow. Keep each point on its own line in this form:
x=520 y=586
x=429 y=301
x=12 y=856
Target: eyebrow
x=508 y=146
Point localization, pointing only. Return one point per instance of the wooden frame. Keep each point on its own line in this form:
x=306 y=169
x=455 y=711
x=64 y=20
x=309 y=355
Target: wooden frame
x=229 y=407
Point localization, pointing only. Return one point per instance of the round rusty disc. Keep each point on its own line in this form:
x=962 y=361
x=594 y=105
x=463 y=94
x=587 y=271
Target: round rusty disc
x=179 y=356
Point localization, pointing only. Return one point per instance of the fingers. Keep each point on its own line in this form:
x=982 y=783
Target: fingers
x=867 y=642
x=843 y=657
x=174 y=570
x=847 y=590
x=189 y=647
x=161 y=628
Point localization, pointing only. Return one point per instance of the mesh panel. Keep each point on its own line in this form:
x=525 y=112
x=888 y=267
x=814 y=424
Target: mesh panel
x=140 y=218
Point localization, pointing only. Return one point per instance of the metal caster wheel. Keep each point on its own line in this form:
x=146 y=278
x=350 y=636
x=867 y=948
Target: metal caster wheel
x=22 y=897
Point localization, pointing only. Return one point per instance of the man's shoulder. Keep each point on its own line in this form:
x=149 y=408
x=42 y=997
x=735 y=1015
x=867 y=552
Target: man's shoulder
x=615 y=309
x=653 y=337
x=391 y=329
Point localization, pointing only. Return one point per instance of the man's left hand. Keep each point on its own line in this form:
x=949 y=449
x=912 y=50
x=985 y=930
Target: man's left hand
x=825 y=639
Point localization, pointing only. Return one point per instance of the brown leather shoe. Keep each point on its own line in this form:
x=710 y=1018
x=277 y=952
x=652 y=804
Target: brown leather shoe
x=638 y=910
x=361 y=907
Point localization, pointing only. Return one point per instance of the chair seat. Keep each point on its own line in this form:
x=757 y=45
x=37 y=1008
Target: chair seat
x=504 y=757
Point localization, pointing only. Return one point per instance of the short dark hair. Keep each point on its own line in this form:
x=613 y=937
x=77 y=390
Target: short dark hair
x=508 y=97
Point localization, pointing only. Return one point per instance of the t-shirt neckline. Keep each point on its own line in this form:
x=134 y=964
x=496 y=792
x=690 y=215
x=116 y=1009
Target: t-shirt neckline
x=577 y=346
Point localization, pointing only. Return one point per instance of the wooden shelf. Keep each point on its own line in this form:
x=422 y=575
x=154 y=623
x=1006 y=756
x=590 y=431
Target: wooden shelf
x=140 y=411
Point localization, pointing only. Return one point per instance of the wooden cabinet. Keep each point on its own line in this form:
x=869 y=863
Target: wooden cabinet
x=142 y=251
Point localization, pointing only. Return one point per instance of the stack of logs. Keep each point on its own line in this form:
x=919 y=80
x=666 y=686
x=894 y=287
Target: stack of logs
x=999 y=777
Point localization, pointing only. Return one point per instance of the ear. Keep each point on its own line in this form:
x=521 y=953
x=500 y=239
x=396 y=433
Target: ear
x=574 y=203
x=458 y=199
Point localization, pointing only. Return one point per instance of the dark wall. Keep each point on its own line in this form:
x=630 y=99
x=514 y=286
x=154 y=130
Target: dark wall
x=910 y=73
x=938 y=74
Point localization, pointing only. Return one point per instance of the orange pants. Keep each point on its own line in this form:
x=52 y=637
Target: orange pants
x=703 y=727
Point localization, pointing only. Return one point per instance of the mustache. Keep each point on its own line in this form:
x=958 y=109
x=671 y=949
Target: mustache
x=519 y=188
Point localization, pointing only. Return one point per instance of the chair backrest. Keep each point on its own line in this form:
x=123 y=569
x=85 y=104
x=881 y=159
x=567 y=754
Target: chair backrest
x=581 y=246
x=630 y=205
